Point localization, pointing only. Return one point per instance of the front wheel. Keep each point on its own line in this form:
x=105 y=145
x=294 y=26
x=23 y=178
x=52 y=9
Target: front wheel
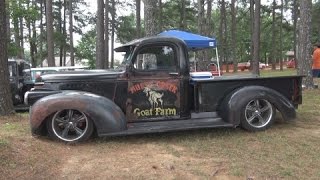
x=257 y=115
x=70 y=125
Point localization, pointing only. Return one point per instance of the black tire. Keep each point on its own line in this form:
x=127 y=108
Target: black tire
x=70 y=126
x=257 y=114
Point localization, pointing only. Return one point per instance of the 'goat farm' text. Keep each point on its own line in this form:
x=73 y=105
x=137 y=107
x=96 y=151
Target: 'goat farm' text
x=155 y=112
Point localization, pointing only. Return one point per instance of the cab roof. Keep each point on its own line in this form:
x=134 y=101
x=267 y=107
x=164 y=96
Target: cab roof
x=151 y=39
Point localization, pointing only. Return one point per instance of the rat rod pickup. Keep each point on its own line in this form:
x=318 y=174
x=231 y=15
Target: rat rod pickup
x=155 y=92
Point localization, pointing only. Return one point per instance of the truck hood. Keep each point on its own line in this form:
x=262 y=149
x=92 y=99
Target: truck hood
x=82 y=75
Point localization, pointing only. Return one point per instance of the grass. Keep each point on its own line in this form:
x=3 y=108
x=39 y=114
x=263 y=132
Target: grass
x=288 y=150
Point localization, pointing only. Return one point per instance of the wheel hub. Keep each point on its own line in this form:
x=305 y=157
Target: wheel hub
x=258 y=113
x=75 y=125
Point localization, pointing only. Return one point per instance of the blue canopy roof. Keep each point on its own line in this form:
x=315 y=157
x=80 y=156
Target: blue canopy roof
x=193 y=41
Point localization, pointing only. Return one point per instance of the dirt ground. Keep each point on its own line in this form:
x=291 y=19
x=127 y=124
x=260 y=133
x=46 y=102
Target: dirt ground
x=183 y=155
x=288 y=150
x=134 y=157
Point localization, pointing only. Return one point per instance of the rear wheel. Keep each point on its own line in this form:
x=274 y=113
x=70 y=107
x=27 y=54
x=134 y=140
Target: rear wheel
x=70 y=125
x=257 y=115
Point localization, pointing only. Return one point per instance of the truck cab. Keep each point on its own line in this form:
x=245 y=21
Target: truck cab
x=20 y=79
x=153 y=91
x=158 y=79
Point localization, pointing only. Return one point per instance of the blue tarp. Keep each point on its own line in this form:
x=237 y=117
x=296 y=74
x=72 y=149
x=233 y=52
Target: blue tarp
x=193 y=41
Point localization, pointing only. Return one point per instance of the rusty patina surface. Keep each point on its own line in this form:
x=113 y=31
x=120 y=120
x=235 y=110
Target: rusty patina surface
x=45 y=107
x=106 y=115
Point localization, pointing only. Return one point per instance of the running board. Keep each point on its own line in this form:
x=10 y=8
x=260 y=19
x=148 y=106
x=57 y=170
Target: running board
x=172 y=125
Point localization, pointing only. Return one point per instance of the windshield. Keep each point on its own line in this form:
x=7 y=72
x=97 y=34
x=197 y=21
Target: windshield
x=126 y=59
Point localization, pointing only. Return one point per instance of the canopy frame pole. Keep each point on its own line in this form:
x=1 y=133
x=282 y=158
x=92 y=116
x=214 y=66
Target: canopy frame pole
x=195 y=61
x=218 y=63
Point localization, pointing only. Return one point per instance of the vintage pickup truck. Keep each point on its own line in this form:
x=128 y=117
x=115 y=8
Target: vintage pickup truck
x=20 y=81
x=154 y=92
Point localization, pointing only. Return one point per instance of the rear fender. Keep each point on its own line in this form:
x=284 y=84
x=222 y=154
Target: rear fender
x=230 y=106
x=105 y=114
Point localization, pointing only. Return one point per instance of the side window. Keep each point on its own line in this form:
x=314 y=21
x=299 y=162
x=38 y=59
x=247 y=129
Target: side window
x=156 y=58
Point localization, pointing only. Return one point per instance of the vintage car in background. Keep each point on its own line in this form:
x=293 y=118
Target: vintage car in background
x=20 y=79
x=246 y=65
x=36 y=73
x=291 y=63
x=154 y=91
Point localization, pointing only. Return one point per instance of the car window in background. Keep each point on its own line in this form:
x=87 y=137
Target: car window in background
x=37 y=73
x=12 y=71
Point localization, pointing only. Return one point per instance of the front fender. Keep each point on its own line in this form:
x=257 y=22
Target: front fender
x=230 y=106
x=105 y=114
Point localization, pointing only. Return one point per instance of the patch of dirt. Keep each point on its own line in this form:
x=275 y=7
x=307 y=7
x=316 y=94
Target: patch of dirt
x=23 y=156
x=148 y=160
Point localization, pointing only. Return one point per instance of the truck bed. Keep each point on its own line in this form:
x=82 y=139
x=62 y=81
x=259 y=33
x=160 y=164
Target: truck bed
x=208 y=93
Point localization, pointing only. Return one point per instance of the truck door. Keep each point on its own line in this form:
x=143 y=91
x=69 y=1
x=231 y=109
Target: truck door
x=154 y=84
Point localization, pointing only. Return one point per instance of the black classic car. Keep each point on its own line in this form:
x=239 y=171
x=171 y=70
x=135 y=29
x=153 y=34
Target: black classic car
x=155 y=92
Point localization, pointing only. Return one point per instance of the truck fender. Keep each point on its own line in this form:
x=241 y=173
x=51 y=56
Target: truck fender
x=230 y=106
x=105 y=114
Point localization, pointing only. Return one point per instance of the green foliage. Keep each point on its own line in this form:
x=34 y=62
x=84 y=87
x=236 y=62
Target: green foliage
x=172 y=13
x=86 y=48
x=316 y=22
x=12 y=49
x=126 y=30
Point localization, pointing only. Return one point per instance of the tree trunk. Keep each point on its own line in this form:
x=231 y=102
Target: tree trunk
x=209 y=27
x=183 y=14
x=138 y=18
x=221 y=31
x=71 y=33
x=251 y=30
x=234 y=36
x=225 y=38
x=273 y=38
x=304 y=44
x=41 y=33
x=138 y=22
x=33 y=48
x=256 y=39
x=21 y=53
x=280 y=38
x=64 y=32
x=61 y=32
x=16 y=35
x=6 y=105
x=50 y=45
x=295 y=19
x=100 y=36
x=201 y=61
x=150 y=18
x=200 y=16
x=32 y=36
x=106 y=34
x=150 y=23
x=8 y=21
x=160 y=23
x=113 y=14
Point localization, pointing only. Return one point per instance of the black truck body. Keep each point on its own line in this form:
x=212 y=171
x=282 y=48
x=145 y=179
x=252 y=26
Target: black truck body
x=154 y=92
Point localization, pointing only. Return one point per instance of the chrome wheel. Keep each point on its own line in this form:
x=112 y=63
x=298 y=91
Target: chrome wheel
x=69 y=125
x=259 y=113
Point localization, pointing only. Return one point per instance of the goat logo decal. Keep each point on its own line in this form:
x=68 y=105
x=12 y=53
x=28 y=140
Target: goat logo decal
x=155 y=98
